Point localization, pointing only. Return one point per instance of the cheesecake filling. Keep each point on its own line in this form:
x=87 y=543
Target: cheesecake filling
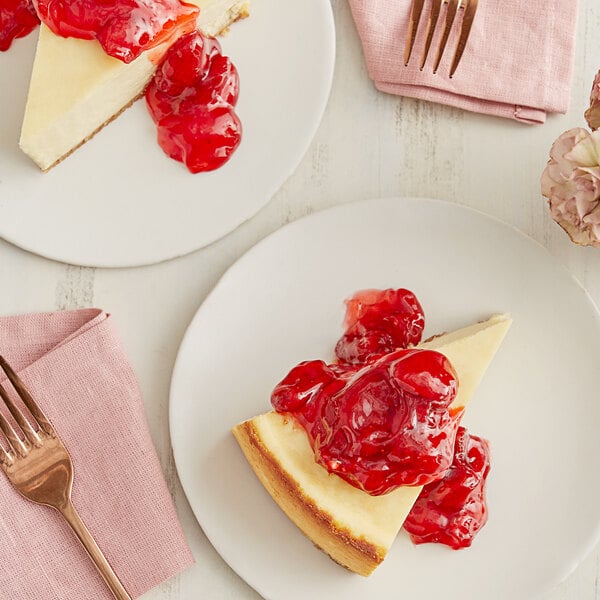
x=373 y=518
x=95 y=89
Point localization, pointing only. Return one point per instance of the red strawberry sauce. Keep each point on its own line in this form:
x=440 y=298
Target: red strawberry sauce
x=191 y=99
x=379 y=426
x=17 y=19
x=124 y=28
x=378 y=322
x=452 y=510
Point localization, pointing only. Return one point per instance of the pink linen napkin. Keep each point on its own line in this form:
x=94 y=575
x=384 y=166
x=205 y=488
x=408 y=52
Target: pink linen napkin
x=517 y=63
x=76 y=369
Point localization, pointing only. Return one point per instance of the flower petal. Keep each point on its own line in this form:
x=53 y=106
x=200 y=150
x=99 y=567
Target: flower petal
x=592 y=114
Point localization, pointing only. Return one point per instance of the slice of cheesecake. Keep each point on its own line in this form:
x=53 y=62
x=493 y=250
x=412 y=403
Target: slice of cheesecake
x=354 y=528
x=76 y=88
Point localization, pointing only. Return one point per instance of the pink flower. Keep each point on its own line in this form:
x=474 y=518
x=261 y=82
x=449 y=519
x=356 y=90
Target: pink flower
x=592 y=114
x=571 y=182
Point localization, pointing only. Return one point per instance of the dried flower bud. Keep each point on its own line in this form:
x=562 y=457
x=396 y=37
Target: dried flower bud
x=571 y=182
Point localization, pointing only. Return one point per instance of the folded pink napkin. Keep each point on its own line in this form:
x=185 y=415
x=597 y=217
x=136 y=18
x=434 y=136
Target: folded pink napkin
x=76 y=369
x=517 y=63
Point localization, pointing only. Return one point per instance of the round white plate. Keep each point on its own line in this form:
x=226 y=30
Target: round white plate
x=119 y=201
x=538 y=403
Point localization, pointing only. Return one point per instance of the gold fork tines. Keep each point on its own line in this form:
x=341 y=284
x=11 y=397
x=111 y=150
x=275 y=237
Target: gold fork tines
x=468 y=7
x=416 y=11
x=38 y=465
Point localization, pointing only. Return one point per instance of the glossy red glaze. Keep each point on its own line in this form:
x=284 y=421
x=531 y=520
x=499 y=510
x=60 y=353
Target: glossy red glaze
x=124 y=28
x=17 y=19
x=379 y=426
x=192 y=99
x=452 y=510
x=378 y=322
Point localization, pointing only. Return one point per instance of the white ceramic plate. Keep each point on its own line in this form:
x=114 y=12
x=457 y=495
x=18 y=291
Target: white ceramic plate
x=119 y=201
x=538 y=404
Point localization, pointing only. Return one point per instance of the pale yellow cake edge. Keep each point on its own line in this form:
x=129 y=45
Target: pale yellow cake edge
x=355 y=554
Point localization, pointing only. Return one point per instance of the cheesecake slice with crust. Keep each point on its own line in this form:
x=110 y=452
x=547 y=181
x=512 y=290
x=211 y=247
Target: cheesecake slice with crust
x=76 y=88
x=354 y=528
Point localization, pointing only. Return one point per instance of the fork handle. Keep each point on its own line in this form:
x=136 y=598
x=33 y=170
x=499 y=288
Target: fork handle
x=85 y=537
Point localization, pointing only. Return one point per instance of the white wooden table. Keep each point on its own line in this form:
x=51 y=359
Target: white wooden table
x=369 y=145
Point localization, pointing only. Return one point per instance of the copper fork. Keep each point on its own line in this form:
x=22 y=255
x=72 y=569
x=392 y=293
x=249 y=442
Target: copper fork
x=38 y=465
x=468 y=7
